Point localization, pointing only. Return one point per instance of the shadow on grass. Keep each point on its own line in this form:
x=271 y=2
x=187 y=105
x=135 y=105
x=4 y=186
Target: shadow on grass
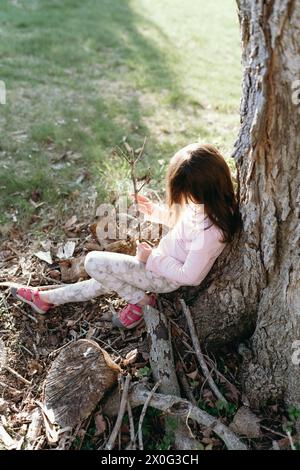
x=90 y=63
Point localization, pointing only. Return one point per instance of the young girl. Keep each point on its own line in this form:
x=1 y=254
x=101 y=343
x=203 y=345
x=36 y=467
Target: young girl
x=202 y=213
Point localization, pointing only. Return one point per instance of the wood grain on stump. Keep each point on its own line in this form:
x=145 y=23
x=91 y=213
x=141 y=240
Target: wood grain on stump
x=77 y=381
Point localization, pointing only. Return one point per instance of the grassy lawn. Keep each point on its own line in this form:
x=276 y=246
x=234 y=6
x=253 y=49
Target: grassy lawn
x=81 y=76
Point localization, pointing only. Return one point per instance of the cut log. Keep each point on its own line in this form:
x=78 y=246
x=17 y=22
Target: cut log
x=77 y=381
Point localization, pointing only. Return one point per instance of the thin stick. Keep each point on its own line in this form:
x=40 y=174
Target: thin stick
x=185 y=385
x=86 y=427
x=132 y=161
x=272 y=430
x=199 y=354
x=4 y=385
x=143 y=413
x=29 y=279
x=16 y=374
x=142 y=150
x=290 y=440
x=27 y=314
x=131 y=427
x=108 y=346
x=114 y=434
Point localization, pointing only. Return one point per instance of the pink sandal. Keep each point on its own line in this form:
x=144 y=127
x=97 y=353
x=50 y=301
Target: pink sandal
x=131 y=315
x=31 y=297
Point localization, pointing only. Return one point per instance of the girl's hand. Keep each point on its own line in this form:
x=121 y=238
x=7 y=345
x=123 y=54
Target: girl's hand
x=143 y=251
x=144 y=204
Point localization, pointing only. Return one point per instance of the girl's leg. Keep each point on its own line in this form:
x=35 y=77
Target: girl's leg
x=110 y=272
x=129 y=278
x=125 y=275
x=77 y=292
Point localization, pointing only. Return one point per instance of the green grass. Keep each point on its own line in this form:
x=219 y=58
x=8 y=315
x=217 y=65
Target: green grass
x=82 y=75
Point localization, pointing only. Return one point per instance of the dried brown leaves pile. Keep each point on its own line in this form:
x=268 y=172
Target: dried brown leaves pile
x=30 y=343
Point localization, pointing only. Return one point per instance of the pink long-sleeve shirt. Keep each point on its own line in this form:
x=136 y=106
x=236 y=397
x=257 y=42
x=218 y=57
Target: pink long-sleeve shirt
x=187 y=253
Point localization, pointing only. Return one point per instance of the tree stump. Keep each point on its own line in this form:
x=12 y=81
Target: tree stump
x=77 y=381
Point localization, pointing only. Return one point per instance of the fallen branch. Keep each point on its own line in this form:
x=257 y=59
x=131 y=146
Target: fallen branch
x=114 y=434
x=198 y=351
x=176 y=406
x=161 y=354
x=163 y=370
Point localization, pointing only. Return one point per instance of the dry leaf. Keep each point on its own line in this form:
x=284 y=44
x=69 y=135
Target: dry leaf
x=8 y=441
x=34 y=429
x=44 y=256
x=130 y=357
x=246 y=423
x=3 y=406
x=70 y=222
x=73 y=269
x=100 y=424
x=46 y=245
x=54 y=274
x=66 y=251
x=193 y=375
x=34 y=367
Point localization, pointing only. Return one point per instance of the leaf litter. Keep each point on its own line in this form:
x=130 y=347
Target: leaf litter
x=29 y=343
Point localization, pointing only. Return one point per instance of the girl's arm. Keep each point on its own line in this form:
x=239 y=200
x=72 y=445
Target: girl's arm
x=160 y=214
x=153 y=212
x=196 y=266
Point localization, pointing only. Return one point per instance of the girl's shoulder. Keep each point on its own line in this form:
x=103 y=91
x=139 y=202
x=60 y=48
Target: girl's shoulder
x=215 y=233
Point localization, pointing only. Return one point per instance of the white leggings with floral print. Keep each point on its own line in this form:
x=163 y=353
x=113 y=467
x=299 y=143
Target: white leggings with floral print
x=112 y=272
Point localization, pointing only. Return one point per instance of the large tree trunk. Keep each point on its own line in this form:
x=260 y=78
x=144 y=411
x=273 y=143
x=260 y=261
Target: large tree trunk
x=255 y=288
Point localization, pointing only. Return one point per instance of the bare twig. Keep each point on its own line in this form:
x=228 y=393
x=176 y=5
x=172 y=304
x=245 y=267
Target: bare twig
x=143 y=413
x=114 y=434
x=131 y=427
x=199 y=354
x=272 y=431
x=16 y=374
x=290 y=440
x=185 y=385
x=27 y=314
x=132 y=161
x=8 y=387
x=141 y=151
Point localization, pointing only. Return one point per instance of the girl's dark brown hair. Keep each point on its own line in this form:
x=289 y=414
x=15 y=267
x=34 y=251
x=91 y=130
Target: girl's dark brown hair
x=200 y=174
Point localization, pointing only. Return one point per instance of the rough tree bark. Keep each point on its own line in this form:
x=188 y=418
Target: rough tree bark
x=254 y=287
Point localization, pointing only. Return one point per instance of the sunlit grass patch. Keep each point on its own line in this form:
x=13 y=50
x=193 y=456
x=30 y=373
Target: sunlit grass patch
x=81 y=76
